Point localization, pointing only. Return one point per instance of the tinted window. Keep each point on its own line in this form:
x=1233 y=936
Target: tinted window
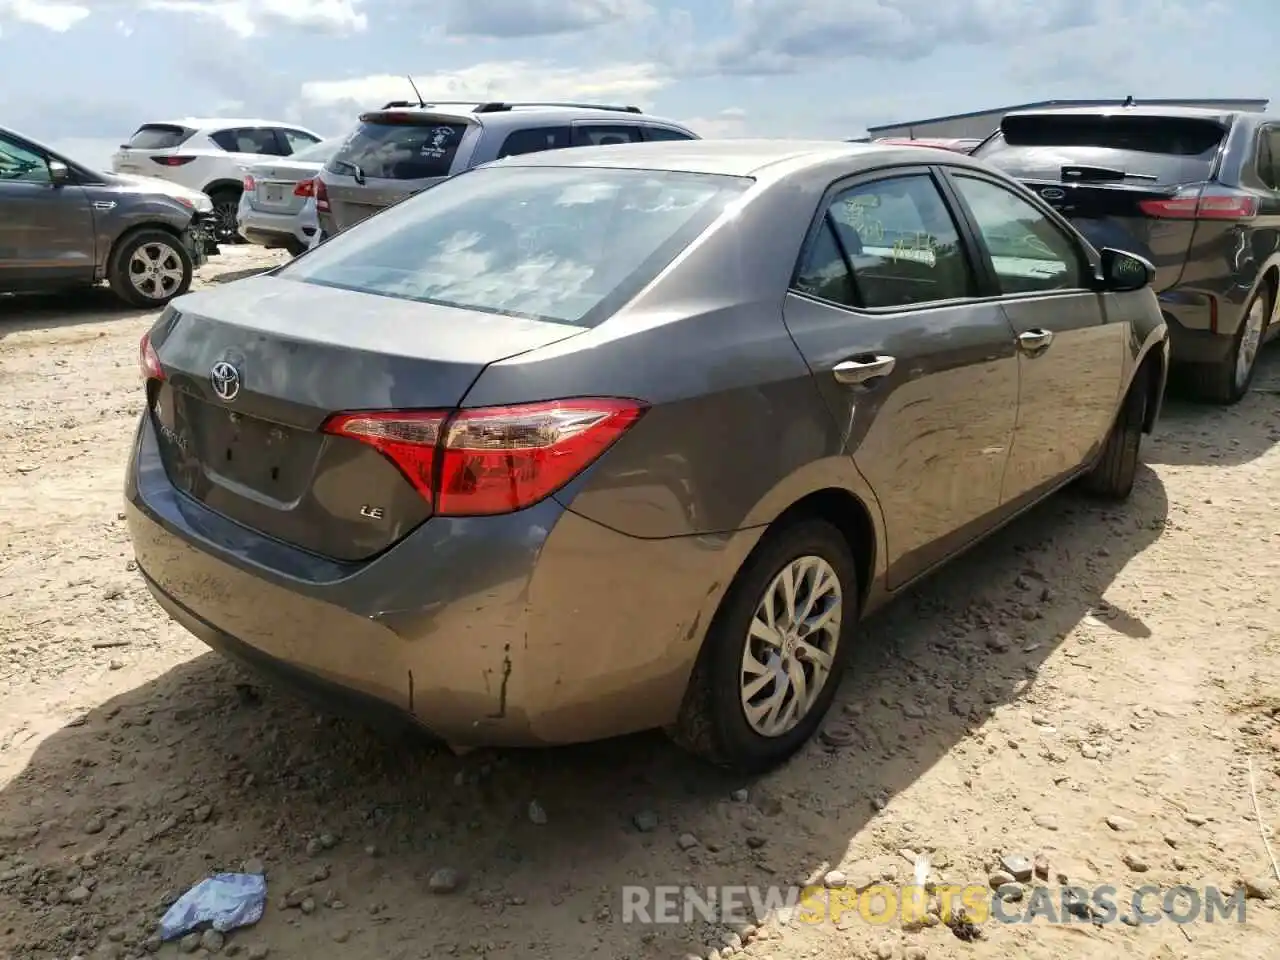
x=592 y=134
x=319 y=152
x=898 y=241
x=666 y=133
x=159 y=136
x=1168 y=149
x=297 y=140
x=1269 y=157
x=19 y=163
x=535 y=140
x=569 y=244
x=1029 y=253
x=415 y=148
x=257 y=140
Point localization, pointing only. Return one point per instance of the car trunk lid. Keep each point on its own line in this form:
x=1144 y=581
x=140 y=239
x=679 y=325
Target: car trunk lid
x=254 y=371
x=274 y=185
x=1116 y=175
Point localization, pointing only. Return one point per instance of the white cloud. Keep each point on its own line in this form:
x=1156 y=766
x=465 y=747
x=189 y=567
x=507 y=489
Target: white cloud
x=531 y=18
x=511 y=80
x=728 y=123
x=247 y=17
x=57 y=15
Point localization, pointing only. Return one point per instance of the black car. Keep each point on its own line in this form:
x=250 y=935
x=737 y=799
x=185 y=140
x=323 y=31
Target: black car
x=63 y=225
x=1195 y=191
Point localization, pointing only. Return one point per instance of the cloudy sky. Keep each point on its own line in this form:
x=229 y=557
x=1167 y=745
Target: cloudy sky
x=82 y=74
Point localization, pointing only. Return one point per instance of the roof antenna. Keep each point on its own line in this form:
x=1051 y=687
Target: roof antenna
x=1128 y=101
x=422 y=103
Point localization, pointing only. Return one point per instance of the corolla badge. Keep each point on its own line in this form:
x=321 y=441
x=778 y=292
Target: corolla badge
x=225 y=380
x=1053 y=193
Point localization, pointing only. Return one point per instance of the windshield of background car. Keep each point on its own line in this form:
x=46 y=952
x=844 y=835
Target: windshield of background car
x=320 y=152
x=395 y=147
x=1169 y=149
x=566 y=244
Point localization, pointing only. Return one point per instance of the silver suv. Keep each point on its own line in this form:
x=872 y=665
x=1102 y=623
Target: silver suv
x=406 y=146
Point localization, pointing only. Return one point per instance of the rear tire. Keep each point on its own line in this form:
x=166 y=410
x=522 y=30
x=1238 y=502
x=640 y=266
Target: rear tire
x=1227 y=381
x=226 y=210
x=1113 y=475
x=714 y=722
x=149 y=268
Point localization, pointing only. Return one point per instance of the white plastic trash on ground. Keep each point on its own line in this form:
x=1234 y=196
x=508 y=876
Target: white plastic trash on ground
x=225 y=901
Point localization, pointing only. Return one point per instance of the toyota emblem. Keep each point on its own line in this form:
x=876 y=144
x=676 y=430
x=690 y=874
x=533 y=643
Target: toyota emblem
x=1053 y=193
x=225 y=379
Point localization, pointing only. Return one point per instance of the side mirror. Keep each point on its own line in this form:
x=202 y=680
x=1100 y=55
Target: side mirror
x=1121 y=272
x=59 y=173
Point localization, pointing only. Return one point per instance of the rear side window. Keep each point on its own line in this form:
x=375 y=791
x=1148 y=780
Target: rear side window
x=593 y=135
x=888 y=243
x=666 y=133
x=535 y=140
x=256 y=140
x=159 y=136
x=415 y=148
x=566 y=244
x=1269 y=157
x=1164 y=150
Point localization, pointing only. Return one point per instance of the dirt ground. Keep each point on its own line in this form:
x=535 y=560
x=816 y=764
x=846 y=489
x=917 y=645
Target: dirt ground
x=1096 y=687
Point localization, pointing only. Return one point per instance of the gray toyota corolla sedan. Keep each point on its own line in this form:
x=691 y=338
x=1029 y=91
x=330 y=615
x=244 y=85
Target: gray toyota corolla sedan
x=598 y=440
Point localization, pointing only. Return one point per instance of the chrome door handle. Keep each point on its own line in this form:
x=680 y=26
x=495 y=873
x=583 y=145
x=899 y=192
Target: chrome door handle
x=862 y=370
x=1033 y=341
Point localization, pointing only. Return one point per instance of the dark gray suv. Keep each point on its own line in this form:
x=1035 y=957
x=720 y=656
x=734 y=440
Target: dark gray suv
x=63 y=225
x=405 y=147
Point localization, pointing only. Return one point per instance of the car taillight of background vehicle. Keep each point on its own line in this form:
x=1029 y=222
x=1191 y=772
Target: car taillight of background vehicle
x=172 y=161
x=148 y=360
x=492 y=460
x=322 y=196
x=1209 y=207
x=305 y=188
x=250 y=184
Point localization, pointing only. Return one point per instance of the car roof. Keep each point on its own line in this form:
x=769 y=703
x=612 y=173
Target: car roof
x=518 y=114
x=218 y=123
x=761 y=159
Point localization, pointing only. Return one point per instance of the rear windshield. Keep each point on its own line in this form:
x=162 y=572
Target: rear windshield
x=1159 y=149
x=566 y=244
x=159 y=136
x=389 y=148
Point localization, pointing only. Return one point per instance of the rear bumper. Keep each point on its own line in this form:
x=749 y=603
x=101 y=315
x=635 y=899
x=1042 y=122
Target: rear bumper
x=1192 y=335
x=539 y=627
x=273 y=230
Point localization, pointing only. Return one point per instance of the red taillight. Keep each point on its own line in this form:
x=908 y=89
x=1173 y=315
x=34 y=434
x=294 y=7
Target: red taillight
x=1226 y=206
x=322 y=196
x=172 y=161
x=250 y=184
x=492 y=459
x=305 y=188
x=148 y=361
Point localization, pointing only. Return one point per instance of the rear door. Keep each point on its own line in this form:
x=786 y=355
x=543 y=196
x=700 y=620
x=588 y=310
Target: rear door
x=390 y=156
x=1070 y=354
x=919 y=372
x=1118 y=177
x=46 y=231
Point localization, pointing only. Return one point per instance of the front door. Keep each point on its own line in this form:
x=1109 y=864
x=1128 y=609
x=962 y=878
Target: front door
x=1071 y=355
x=921 y=376
x=46 y=230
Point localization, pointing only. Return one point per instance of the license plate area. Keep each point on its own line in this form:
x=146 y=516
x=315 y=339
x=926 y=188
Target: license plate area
x=273 y=193
x=238 y=450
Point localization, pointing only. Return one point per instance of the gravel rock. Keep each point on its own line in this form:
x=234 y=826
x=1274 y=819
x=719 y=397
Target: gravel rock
x=444 y=880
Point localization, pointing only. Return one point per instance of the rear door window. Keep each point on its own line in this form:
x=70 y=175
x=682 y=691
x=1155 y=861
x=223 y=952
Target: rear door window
x=159 y=136
x=255 y=140
x=395 y=148
x=1149 y=149
x=598 y=135
x=535 y=140
x=887 y=243
x=296 y=140
x=1269 y=156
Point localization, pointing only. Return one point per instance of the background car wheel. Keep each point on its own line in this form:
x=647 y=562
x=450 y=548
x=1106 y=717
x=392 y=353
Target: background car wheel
x=1113 y=475
x=150 y=268
x=774 y=655
x=1227 y=382
x=226 y=207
